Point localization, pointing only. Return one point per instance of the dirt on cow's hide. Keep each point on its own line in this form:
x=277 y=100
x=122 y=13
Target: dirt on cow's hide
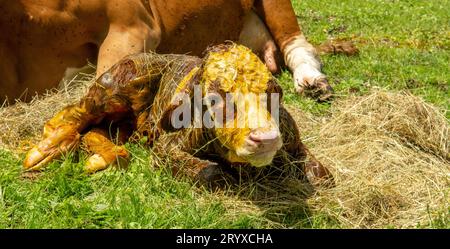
x=388 y=152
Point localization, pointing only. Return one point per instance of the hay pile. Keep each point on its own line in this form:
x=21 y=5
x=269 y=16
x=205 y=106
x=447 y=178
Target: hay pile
x=21 y=124
x=389 y=153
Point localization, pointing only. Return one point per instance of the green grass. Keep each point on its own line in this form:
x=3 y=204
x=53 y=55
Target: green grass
x=141 y=197
x=404 y=45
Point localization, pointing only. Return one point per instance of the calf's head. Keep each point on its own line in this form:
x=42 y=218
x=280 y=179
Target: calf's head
x=242 y=102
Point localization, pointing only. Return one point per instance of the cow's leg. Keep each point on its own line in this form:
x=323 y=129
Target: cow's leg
x=124 y=40
x=299 y=55
x=257 y=37
x=302 y=59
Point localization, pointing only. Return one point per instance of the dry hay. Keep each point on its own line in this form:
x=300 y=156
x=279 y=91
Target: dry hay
x=389 y=153
x=21 y=124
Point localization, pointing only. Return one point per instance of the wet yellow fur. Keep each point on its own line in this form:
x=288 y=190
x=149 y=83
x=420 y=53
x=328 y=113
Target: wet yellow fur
x=240 y=72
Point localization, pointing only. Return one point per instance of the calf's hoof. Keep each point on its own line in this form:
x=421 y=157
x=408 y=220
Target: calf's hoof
x=213 y=176
x=318 y=175
x=97 y=162
x=60 y=141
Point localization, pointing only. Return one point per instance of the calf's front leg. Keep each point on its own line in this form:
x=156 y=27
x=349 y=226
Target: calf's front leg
x=105 y=145
x=121 y=92
x=62 y=133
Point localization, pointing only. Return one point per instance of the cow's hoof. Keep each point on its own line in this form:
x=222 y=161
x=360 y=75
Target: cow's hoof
x=318 y=175
x=325 y=90
x=319 y=90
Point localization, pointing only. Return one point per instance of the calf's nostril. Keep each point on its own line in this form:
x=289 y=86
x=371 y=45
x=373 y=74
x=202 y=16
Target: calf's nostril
x=255 y=138
x=263 y=137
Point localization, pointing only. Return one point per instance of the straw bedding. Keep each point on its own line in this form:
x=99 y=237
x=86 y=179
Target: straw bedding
x=389 y=153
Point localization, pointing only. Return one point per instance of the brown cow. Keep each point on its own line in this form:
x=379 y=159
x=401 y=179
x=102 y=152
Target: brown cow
x=41 y=39
x=148 y=93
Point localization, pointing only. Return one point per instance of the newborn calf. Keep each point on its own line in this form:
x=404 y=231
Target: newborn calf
x=207 y=117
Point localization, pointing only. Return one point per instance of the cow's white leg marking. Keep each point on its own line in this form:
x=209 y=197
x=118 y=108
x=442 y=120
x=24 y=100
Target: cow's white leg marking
x=301 y=57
